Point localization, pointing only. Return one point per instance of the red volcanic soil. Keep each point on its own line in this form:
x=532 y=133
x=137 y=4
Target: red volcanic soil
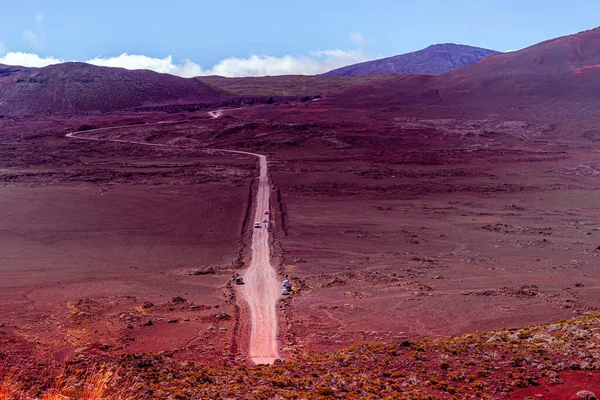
x=78 y=87
x=571 y=383
x=391 y=227
x=124 y=247
x=286 y=85
x=556 y=77
x=424 y=227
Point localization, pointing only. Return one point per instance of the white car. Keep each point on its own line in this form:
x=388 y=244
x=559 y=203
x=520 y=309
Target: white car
x=257 y=224
x=285 y=292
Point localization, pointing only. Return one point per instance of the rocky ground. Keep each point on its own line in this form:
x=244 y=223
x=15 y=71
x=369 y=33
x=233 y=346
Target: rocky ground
x=391 y=230
x=555 y=361
x=121 y=247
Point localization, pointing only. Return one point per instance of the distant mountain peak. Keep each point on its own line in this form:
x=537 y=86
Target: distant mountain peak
x=433 y=60
x=559 y=76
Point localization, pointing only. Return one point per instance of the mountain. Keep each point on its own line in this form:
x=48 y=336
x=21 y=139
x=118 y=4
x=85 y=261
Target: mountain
x=435 y=59
x=78 y=87
x=286 y=85
x=556 y=76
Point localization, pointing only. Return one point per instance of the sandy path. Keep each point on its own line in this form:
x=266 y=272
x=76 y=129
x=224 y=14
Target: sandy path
x=262 y=287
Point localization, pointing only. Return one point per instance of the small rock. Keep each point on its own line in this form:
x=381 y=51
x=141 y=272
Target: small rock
x=80 y=351
x=178 y=300
x=223 y=316
x=205 y=271
x=585 y=395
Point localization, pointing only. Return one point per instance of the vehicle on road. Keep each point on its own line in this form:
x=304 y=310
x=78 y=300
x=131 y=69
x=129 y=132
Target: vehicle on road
x=257 y=225
x=239 y=281
x=266 y=212
x=265 y=220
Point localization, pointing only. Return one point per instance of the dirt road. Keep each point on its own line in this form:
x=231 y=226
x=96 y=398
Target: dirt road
x=262 y=287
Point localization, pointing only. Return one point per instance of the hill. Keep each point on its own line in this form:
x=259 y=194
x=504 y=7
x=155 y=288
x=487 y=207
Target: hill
x=558 y=76
x=286 y=85
x=78 y=87
x=435 y=59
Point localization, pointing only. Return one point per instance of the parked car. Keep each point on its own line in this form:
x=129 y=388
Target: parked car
x=285 y=292
x=265 y=220
x=257 y=224
x=266 y=212
x=239 y=281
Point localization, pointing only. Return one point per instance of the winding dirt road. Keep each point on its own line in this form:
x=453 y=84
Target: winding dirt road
x=261 y=290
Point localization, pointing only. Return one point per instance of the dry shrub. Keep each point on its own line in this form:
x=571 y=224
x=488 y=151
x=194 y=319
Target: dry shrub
x=101 y=383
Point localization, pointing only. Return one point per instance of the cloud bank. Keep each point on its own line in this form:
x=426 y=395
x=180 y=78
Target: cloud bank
x=28 y=60
x=255 y=65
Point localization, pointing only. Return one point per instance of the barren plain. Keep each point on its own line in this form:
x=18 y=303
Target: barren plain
x=122 y=247
x=389 y=228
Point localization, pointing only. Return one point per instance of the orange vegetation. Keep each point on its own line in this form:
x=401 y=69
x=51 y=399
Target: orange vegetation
x=485 y=365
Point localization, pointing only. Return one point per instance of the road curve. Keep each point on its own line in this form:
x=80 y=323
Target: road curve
x=261 y=290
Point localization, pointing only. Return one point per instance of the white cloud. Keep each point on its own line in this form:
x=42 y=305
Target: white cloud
x=28 y=59
x=163 y=65
x=358 y=39
x=31 y=38
x=255 y=65
x=39 y=17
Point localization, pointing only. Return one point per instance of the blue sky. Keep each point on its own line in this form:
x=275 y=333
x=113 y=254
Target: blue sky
x=270 y=36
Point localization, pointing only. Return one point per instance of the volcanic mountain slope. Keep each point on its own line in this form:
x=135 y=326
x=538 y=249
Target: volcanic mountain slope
x=287 y=85
x=78 y=87
x=558 y=76
x=435 y=59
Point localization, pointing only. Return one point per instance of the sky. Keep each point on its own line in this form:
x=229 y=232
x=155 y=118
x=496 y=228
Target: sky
x=270 y=37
